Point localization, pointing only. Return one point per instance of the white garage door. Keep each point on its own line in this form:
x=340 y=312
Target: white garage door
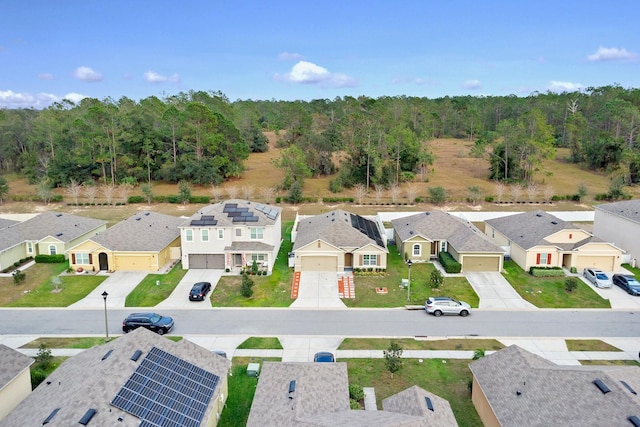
x=605 y=263
x=319 y=263
x=480 y=263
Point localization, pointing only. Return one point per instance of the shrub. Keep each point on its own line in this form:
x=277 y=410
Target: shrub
x=450 y=265
x=437 y=195
x=437 y=279
x=44 y=356
x=573 y=270
x=556 y=198
x=488 y=199
x=335 y=185
x=199 y=199
x=136 y=199
x=570 y=284
x=37 y=376
x=356 y=392
x=478 y=354
x=354 y=404
x=50 y=259
x=19 y=277
x=247 y=286
x=546 y=271
x=337 y=199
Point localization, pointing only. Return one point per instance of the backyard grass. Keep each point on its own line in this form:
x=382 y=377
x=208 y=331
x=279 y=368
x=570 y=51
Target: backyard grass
x=273 y=290
x=448 y=378
x=72 y=288
x=411 y=344
x=269 y=343
x=549 y=292
x=148 y=294
x=589 y=345
x=365 y=286
x=634 y=270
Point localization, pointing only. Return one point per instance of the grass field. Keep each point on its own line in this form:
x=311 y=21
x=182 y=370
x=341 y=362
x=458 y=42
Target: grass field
x=411 y=344
x=148 y=293
x=268 y=343
x=590 y=345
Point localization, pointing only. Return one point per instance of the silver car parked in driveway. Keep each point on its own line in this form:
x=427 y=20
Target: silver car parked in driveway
x=597 y=277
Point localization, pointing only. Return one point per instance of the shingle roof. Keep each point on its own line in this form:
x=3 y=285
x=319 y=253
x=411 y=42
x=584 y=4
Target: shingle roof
x=91 y=380
x=144 y=231
x=412 y=401
x=628 y=209
x=526 y=390
x=62 y=226
x=337 y=228
x=438 y=225
x=12 y=363
x=222 y=214
x=4 y=223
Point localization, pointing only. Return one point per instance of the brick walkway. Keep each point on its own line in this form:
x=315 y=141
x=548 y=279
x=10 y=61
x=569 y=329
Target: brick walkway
x=296 y=285
x=346 y=287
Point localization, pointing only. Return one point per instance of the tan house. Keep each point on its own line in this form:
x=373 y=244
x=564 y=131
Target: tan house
x=146 y=241
x=139 y=379
x=515 y=388
x=15 y=379
x=338 y=241
x=49 y=233
x=538 y=238
x=619 y=223
x=423 y=236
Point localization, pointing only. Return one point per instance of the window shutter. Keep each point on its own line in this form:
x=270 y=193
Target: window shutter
x=73 y=258
x=90 y=258
x=538 y=259
x=360 y=259
x=377 y=259
x=548 y=259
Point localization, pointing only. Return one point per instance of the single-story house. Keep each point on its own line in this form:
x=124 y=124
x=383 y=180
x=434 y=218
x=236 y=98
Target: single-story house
x=338 y=241
x=422 y=236
x=515 y=388
x=232 y=235
x=139 y=379
x=146 y=241
x=538 y=238
x=317 y=394
x=15 y=378
x=49 y=233
x=619 y=223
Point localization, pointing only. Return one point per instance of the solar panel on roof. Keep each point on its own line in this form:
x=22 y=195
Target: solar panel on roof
x=197 y=222
x=229 y=206
x=272 y=215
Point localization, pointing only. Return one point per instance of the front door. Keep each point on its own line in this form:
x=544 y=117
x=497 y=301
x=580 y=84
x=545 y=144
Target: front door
x=104 y=261
x=348 y=260
x=237 y=260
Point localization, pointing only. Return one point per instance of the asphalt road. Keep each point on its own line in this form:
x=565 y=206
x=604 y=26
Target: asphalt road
x=340 y=322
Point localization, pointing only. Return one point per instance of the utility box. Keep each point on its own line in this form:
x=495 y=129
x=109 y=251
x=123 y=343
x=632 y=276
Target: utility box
x=253 y=369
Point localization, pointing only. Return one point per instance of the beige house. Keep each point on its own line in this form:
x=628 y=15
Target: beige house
x=338 y=241
x=49 y=233
x=15 y=379
x=139 y=379
x=515 y=388
x=423 y=236
x=146 y=241
x=538 y=238
x=619 y=223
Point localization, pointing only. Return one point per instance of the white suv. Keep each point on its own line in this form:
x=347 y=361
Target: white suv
x=445 y=305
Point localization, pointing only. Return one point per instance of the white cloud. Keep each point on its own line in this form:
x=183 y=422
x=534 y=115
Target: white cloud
x=611 y=54
x=87 y=74
x=285 y=56
x=556 y=86
x=309 y=73
x=45 y=76
x=472 y=84
x=11 y=99
x=74 y=97
x=153 y=77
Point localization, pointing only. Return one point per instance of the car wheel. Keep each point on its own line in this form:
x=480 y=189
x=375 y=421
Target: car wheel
x=160 y=331
x=437 y=313
x=464 y=313
x=126 y=330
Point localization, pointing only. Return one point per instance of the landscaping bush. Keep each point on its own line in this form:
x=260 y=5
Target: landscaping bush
x=199 y=199
x=437 y=279
x=546 y=271
x=356 y=392
x=247 y=286
x=136 y=199
x=570 y=284
x=478 y=354
x=449 y=264
x=337 y=199
x=19 y=277
x=573 y=270
x=50 y=259
x=488 y=199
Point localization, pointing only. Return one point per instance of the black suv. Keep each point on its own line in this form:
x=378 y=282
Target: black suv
x=152 y=321
x=199 y=291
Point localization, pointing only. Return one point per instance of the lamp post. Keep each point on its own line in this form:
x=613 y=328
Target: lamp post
x=409 y=285
x=106 y=324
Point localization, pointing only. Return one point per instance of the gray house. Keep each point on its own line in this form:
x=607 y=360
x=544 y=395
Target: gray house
x=619 y=223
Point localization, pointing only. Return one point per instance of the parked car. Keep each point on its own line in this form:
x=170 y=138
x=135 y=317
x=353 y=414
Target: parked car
x=324 y=356
x=597 y=277
x=152 y=321
x=628 y=283
x=445 y=305
x=199 y=291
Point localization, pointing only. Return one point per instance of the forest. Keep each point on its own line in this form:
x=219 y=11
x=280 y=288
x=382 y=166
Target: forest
x=203 y=137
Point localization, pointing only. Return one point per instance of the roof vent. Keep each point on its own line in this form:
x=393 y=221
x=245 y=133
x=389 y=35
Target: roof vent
x=624 y=383
x=50 y=417
x=138 y=219
x=634 y=420
x=136 y=355
x=107 y=354
x=429 y=403
x=87 y=417
x=58 y=215
x=427 y=213
x=602 y=386
x=58 y=234
x=518 y=393
x=146 y=213
x=554 y=222
x=292 y=388
x=539 y=215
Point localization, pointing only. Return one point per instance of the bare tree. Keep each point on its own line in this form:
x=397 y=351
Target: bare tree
x=516 y=192
x=547 y=193
x=360 y=191
x=474 y=193
x=500 y=190
x=232 y=191
x=108 y=191
x=74 y=189
x=247 y=191
x=532 y=192
x=379 y=192
x=411 y=192
x=45 y=192
x=90 y=192
x=124 y=189
x=216 y=192
x=394 y=192
x=267 y=193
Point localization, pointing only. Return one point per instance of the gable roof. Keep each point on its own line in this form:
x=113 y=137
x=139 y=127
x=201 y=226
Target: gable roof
x=340 y=229
x=233 y=213
x=413 y=401
x=526 y=390
x=439 y=225
x=627 y=209
x=64 y=227
x=12 y=363
x=144 y=231
x=92 y=379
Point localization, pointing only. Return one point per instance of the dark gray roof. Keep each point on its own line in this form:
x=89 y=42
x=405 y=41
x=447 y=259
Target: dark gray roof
x=628 y=209
x=337 y=228
x=4 y=223
x=526 y=390
x=64 y=227
x=412 y=401
x=144 y=231
x=462 y=235
x=249 y=246
x=12 y=363
x=222 y=214
x=92 y=379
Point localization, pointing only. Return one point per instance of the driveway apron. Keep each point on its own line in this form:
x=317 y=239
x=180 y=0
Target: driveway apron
x=318 y=289
x=179 y=298
x=118 y=285
x=495 y=292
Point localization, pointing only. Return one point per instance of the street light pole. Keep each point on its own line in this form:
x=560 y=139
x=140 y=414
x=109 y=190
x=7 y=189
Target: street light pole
x=409 y=285
x=106 y=323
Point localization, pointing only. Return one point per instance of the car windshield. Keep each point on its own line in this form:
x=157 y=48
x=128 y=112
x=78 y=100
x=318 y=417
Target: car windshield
x=155 y=318
x=634 y=284
x=602 y=276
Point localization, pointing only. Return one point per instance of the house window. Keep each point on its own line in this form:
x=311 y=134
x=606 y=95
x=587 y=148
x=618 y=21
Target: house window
x=221 y=233
x=204 y=235
x=52 y=250
x=82 y=258
x=369 y=259
x=238 y=232
x=188 y=235
x=258 y=257
x=443 y=246
x=257 y=233
x=29 y=247
x=417 y=249
x=543 y=259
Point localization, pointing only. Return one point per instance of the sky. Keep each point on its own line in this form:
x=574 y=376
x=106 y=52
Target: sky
x=304 y=50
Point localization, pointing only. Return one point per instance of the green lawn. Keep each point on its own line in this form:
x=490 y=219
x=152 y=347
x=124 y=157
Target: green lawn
x=411 y=344
x=148 y=294
x=269 y=343
x=634 y=270
x=549 y=292
x=365 y=286
x=64 y=342
x=590 y=345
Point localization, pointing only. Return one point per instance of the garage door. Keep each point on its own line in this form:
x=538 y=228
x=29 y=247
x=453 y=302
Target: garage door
x=480 y=263
x=319 y=263
x=605 y=263
x=200 y=261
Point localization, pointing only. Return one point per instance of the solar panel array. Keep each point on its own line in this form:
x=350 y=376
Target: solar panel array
x=367 y=227
x=205 y=220
x=166 y=391
x=271 y=213
x=239 y=214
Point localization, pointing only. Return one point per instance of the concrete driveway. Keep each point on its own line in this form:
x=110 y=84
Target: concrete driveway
x=179 y=298
x=617 y=297
x=118 y=285
x=318 y=289
x=495 y=292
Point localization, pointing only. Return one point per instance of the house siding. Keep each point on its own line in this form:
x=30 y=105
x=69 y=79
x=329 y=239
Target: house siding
x=620 y=231
x=14 y=392
x=479 y=400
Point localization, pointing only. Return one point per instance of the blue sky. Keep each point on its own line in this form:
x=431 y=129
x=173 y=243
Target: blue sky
x=307 y=50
